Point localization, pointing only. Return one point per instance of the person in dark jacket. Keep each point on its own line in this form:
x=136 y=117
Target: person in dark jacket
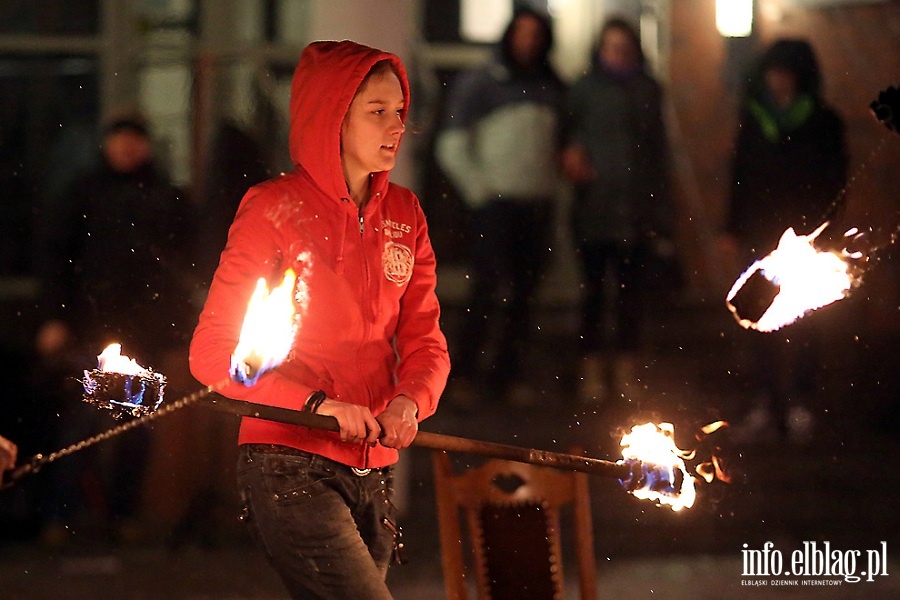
x=499 y=147
x=789 y=167
x=115 y=258
x=616 y=158
x=116 y=250
x=789 y=161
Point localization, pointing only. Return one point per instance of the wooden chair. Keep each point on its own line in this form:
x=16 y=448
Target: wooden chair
x=512 y=516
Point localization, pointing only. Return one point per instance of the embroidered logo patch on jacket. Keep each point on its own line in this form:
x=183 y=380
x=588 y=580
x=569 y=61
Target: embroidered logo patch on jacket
x=398 y=262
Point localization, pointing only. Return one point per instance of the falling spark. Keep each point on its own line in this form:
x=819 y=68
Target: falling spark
x=267 y=333
x=792 y=281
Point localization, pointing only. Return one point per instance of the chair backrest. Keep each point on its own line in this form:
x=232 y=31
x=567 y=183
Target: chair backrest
x=512 y=516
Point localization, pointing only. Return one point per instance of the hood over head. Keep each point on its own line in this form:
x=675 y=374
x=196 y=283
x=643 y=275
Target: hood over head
x=794 y=55
x=630 y=31
x=505 y=49
x=326 y=80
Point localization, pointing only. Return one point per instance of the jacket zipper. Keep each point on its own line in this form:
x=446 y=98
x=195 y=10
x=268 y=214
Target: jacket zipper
x=362 y=230
x=367 y=325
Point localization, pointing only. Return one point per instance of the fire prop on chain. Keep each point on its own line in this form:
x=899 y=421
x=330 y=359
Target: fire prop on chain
x=126 y=388
x=120 y=384
x=886 y=108
x=648 y=469
x=796 y=278
x=264 y=343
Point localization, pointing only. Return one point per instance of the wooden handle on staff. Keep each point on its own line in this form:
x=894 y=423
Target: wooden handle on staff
x=424 y=439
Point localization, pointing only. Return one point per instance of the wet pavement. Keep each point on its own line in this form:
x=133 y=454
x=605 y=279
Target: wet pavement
x=237 y=573
x=832 y=482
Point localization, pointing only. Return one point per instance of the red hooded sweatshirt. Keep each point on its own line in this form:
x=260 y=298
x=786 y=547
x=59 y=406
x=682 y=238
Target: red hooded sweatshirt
x=367 y=313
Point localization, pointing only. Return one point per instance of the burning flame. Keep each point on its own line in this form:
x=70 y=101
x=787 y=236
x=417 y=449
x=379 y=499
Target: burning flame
x=267 y=333
x=112 y=360
x=121 y=384
x=659 y=473
x=713 y=468
x=800 y=277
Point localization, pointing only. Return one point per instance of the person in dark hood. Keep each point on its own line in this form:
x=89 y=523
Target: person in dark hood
x=499 y=148
x=115 y=266
x=368 y=349
x=616 y=158
x=116 y=251
x=790 y=161
x=788 y=170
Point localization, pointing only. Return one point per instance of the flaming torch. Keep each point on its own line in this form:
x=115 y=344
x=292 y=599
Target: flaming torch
x=796 y=278
x=267 y=332
x=649 y=469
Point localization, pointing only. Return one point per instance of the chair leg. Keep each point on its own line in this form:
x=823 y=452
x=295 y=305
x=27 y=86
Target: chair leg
x=584 y=535
x=450 y=533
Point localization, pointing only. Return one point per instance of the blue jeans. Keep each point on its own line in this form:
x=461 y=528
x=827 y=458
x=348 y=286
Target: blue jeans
x=319 y=523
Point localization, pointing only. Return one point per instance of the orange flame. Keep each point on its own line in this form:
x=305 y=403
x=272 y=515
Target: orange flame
x=807 y=279
x=713 y=468
x=112 y=360
x=267 y=333
x=123 y=385
x=665 y=479
x=713 y=427
x=657 y=466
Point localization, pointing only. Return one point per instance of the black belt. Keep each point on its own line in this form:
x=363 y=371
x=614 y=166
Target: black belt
x=287 y=450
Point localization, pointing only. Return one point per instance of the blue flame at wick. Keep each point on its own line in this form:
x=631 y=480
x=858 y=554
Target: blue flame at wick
x=245 y=373
x=656 y=478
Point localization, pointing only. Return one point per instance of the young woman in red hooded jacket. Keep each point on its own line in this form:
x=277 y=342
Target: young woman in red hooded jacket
x=368 y=348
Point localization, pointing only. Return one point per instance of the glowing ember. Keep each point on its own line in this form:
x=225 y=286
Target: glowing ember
x=267 y=332
x=658 y=470
x=793 y=280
